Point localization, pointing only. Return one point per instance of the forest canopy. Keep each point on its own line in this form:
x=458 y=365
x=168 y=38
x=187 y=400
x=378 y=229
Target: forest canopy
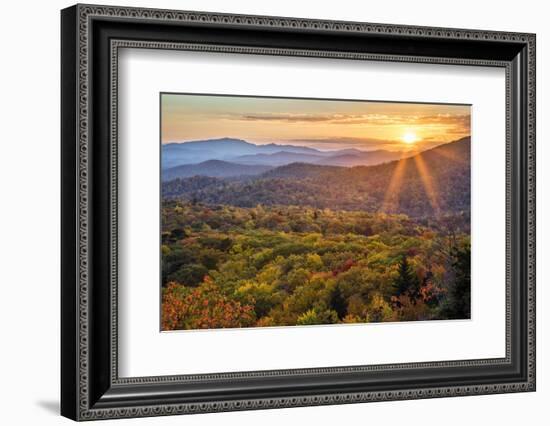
x=226 y=266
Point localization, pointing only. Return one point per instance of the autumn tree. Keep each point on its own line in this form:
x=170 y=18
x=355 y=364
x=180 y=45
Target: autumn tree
x=202 y=307
x=230 y=266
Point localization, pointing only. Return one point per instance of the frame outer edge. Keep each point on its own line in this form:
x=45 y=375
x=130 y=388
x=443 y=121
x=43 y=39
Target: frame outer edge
x=83 y=13
x=69 y=258
x=531 y=201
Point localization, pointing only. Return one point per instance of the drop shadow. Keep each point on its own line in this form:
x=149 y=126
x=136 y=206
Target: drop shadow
x=50 y=406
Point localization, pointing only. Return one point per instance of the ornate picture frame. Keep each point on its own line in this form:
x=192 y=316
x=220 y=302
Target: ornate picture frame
x=91 y=37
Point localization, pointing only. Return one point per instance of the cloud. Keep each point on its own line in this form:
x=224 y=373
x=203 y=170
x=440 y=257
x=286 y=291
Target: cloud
x=459 y=121
x=462 y=120
x=365 y=144
x=286 y=117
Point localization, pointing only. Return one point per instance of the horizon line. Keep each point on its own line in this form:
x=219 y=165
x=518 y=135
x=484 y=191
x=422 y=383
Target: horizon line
x=282 y=144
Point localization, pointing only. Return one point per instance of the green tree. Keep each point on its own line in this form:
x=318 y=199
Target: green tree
x=315 y=317
x=190 y=275
x=337 y=302
x=407 y=282
x=457 y=305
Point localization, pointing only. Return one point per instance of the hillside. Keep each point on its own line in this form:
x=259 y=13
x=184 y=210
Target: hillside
x=434 y=181
x=212 y=168
x=279 y=158
x=361 y=158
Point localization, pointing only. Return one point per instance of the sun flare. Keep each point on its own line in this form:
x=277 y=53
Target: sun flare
x=409 y=138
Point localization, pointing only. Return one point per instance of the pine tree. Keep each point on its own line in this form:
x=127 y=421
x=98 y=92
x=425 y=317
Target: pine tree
x=458 y=298
x=338 y=303
x=406 y=282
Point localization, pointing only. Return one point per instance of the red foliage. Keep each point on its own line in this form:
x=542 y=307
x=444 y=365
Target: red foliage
x=346 y=266
x=202 y=307
x=430 y=293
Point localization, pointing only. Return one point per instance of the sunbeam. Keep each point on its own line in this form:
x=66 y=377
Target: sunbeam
x=428 y=182
x=391 y=197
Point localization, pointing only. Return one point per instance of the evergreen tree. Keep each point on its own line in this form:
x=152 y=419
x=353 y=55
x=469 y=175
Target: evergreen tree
x=458 y=298
x=407 y=282
x=338 y=303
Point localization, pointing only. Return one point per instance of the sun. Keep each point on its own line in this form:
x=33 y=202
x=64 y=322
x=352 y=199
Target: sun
x=409 y=138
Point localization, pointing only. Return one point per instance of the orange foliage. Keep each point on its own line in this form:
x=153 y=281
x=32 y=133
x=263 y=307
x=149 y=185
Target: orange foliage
x=430 y=293
x=346 y=266
x=408 y=309
x=202 y=307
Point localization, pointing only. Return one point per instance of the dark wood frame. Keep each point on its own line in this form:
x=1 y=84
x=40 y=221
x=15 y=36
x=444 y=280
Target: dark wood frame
x=91 y=37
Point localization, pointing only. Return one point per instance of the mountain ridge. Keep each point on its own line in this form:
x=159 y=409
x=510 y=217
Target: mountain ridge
x=434 y=181
x=240 y=151
x=192 y=152
x=213 y=168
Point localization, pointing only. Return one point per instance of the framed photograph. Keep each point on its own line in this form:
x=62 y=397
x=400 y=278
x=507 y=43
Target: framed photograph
x=263 y=212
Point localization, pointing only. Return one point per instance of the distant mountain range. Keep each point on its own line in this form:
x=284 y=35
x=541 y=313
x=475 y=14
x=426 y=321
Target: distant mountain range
x=279 y=158
x=436 y=180
x=213 y=168
x=239 y=151
x=227 y=149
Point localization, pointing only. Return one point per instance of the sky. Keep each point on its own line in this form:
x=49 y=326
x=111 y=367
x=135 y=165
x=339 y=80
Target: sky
x=320 y=124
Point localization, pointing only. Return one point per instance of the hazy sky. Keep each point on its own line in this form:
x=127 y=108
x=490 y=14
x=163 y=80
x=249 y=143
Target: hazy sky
x=322 y=124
